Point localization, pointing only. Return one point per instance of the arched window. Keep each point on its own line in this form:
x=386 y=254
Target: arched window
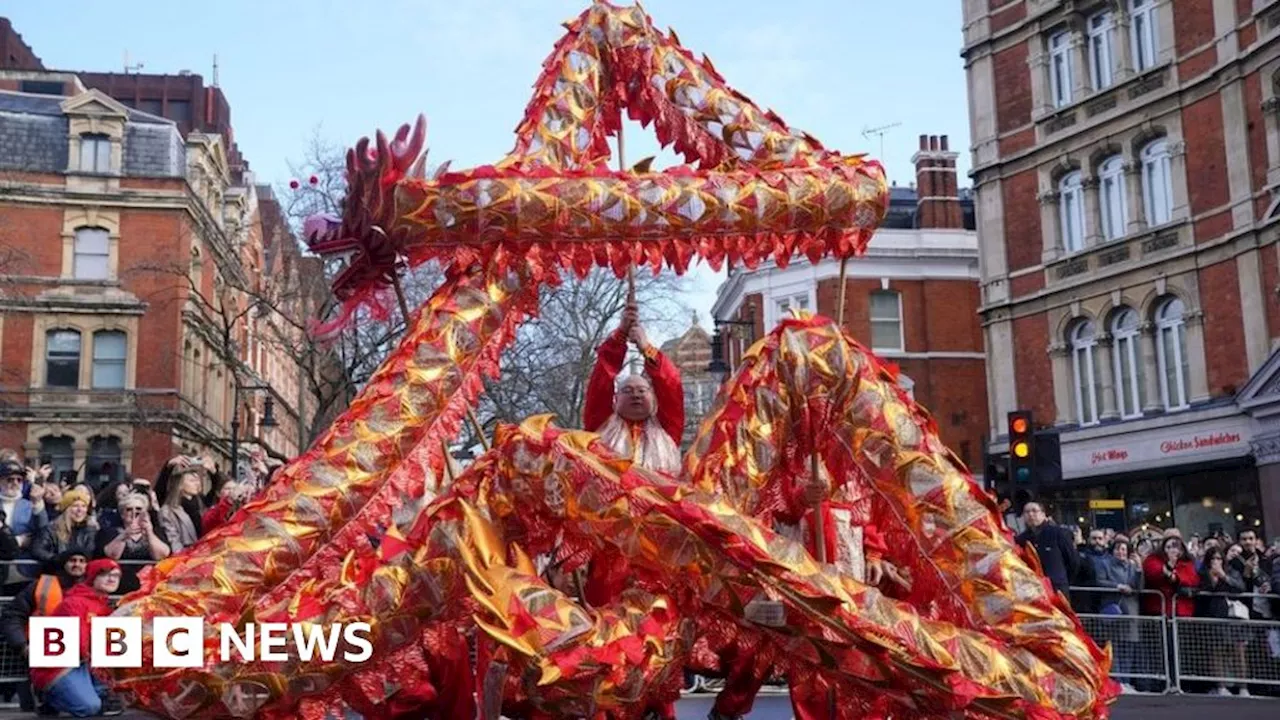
x=62 y=359
x=109 y=350
x=1071 y=210
x=91 y=254
x=104 y=461
x=1171 y=353
x=1115 y=214
x=1157 y=182
x=1084 y=369
x=58 y=452
x=1145 y=33
x=1126 y=361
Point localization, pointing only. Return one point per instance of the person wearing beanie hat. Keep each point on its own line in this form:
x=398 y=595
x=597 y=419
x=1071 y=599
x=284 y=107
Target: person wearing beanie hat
x=74 y=528
x=76 y=691
x=24 y=516
x=39 y=598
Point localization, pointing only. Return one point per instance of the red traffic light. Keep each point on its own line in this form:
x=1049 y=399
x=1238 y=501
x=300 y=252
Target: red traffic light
x=1019 y=426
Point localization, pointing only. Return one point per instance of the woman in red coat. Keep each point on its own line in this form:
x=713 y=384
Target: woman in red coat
x=1171 y=571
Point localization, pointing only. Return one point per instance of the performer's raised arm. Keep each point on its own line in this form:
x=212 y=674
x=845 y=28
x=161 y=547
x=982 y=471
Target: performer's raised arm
x=668 y=390
x=598 y=405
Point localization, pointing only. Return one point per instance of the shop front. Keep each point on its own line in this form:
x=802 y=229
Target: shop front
x=1193 y=470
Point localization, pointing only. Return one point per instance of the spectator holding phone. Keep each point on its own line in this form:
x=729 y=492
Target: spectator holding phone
x=225 y=499
x=24 y=517
x=135 y=542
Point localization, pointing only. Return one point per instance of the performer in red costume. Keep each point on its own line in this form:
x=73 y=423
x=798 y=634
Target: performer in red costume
x=644 y=419
x=852 y=543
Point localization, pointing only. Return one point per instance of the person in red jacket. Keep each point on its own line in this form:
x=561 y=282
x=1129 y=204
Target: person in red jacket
x=1172 y=571
x=644 y=418
x=76 y=691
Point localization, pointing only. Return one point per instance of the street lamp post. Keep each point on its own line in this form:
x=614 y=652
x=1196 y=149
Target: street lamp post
x=718 y=365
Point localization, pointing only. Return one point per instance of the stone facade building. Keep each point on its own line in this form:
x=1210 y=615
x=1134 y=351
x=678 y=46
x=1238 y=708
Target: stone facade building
x=691 y=353
x=1125 y=157
x=912 y=298
x=131 y=257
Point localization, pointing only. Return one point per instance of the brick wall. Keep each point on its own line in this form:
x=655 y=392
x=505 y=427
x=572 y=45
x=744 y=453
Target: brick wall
x=1192 y=24
x=15 y=356
x=1032 y=368
x=1271 y=281
x=1013 y=100
x=1206 y=155
x=1023 y=239
x=1224 y=352
x=153 y=265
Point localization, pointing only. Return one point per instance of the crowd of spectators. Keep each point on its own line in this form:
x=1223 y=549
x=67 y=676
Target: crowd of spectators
x=68 y=548
x=1153 y=572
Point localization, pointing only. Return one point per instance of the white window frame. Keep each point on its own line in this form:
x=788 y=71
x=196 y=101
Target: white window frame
x=1177 y=328
x=1114 y=198
x=1126 y=361
x=79 y=355
x=901 y=346
x=95 y=153
x=1071 y=211
x=1101 y=63
x=1157 y=182
x=90 y=242
x=103 y=363
x=781 y=300
x=1145 y=32
x=1084 y=374
x=1060 y=78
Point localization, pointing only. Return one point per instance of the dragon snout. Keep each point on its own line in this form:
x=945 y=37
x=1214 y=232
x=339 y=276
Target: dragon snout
x=320 y=227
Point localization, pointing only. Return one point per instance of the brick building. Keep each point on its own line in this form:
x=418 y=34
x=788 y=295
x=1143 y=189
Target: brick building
x=1125 y=159
x=130 y=256
x=912 y=298
x=691 y=353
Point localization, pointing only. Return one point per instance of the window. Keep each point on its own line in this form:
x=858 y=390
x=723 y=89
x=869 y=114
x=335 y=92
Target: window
x=1171 y=353
x=1126 y=362
x=41 y=87
x=1157 y=182
x=95 y=153
x=1071 y=209
x=1100 y=64
x=1115 y=215
x=179 y=111
x=886 y=320
x=1060 y=68
x=108 y=359
x=785 y=305
x=91 y=254
x=58 y=452
x=1142 y=23
x=104 y=461
x=1084 y=371
x=62 y=359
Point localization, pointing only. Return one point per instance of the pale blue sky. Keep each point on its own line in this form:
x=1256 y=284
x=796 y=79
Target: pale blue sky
x=349 y=67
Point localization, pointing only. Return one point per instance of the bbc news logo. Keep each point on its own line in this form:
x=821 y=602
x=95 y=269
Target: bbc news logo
x=178 y=642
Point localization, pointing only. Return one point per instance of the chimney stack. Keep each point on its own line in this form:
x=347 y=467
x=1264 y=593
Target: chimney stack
x=937 y=188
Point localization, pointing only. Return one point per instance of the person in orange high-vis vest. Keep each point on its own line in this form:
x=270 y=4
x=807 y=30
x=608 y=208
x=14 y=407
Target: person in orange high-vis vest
x=40 y=598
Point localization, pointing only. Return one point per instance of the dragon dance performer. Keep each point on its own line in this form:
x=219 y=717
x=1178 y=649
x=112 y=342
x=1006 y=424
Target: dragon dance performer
x=853 y=544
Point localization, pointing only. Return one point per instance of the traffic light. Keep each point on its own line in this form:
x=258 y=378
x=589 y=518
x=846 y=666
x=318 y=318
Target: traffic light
x=1022 y=447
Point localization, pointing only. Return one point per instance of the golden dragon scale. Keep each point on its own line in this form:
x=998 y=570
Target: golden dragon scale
x=353 y=529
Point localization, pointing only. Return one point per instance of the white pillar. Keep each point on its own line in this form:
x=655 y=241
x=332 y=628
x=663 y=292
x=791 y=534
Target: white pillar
x=1253 y=309
x=1092 y=212
x=1080 y=66
x=1060 y=360
x=1133 y=196
x=1124 y=44
x=1050 y=227
x=1106 y=377
x=1151 y=401
x=1198 y=383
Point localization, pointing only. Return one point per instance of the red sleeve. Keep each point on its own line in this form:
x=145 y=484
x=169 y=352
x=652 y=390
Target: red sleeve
x=77 y=607
x=1153 y=573
x=669 y=392
x=1187 y=575
x=598 y=405
x=216 y=516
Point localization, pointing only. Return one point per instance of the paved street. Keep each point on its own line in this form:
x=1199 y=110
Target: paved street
x=1130 y=707
x=1141 y=707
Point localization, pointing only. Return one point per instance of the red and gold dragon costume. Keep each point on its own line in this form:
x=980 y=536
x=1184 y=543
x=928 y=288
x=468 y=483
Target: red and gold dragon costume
x=365 y=526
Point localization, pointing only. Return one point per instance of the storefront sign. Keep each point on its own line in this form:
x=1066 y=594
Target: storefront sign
x=1106 y=504
x=1156 y=447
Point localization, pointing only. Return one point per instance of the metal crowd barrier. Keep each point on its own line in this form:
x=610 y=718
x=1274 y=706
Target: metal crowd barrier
x=1230 y=652
x=1139 y=643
